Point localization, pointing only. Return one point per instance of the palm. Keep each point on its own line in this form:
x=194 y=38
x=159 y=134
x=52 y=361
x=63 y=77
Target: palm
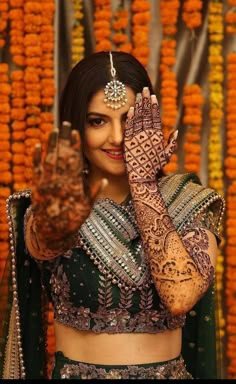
x=145 y=150
x=59 y=199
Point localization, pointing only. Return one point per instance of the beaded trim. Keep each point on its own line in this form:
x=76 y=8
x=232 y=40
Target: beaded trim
x=185 y=199
x=107 y=237
x=14 y=362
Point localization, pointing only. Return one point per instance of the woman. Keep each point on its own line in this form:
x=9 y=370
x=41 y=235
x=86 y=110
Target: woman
x=121 y=250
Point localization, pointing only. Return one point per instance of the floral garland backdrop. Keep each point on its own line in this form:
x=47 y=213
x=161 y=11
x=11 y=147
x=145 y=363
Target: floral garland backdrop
x=28 y=95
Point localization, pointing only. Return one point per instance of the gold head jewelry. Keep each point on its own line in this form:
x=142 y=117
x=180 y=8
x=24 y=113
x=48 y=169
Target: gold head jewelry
x=115 y=91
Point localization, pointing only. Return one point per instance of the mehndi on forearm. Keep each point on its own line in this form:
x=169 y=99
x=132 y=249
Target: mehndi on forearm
x=42 y=248
x=181 y=268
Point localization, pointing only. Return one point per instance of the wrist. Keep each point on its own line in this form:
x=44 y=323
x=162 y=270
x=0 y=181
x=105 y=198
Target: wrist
x=43 y=237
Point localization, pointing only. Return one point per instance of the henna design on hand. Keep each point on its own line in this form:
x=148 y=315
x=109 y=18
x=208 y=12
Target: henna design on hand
x=60 y=202
x=144 y=147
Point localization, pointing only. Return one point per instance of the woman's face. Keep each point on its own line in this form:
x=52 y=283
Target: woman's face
x=104 y=135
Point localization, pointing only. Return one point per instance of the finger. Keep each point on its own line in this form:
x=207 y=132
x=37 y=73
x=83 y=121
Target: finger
x=65 y=133
x=69 y=159
x=172 y=145
x=50 y=160
x=156 y=119
x=173 y=136
x=138 y=114
x=52 y=141
x=129 y=125
x=75 y=140
x=37 y=155
x=147 y=110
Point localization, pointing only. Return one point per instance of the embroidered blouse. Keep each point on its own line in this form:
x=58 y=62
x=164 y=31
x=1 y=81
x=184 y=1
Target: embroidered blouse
x=104 y=284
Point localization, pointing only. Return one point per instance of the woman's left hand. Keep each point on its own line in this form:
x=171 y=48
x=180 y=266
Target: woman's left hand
x=145 y=150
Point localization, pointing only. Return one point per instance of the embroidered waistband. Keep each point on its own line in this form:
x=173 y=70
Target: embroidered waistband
x=65 y=368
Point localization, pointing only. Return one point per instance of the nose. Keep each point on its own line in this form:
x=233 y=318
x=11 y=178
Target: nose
x=117 y=133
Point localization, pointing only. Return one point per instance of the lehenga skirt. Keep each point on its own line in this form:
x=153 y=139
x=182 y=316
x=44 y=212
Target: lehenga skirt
x=64 y=368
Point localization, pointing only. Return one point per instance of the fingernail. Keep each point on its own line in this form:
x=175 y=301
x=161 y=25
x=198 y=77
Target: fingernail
x=176 y=134
x=65 y=122
x=130 y=112
x=154 y=99
x=146 y=91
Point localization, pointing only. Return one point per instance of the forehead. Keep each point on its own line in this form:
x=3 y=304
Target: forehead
x=97 y=102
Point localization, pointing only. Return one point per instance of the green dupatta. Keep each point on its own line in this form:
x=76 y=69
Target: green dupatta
x=23 y=315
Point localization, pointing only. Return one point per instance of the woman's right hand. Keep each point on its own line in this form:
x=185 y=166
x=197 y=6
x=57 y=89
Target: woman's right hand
x=60 y=200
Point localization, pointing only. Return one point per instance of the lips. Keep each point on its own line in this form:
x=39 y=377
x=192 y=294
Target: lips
x=115 y=154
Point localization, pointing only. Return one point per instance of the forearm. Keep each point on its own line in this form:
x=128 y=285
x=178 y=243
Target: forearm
x=178 y=279
x=42 y=247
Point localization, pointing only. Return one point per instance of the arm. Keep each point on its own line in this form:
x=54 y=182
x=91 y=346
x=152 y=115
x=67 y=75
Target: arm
x=60 y=201
x=179 y=279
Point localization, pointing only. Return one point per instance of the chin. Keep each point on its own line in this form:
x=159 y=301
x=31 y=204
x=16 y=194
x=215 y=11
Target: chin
x=117 y=173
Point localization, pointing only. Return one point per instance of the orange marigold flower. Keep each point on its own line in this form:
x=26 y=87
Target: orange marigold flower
x=16 y=3
x=5 y=178
x=125 y=47
x=120 y=38
x=19 y=60
x=4 y=67
x=48 y=101
x=17 y=75
x=140 y=6
x=47 y=117
x=141 y=18
x=18 y=135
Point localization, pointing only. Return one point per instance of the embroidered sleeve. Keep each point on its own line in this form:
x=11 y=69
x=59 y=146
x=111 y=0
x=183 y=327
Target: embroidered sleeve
x=209 y=218
x=205 y=220
x=182 y=267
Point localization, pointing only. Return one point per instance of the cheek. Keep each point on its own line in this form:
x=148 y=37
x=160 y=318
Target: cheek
x=93 y=140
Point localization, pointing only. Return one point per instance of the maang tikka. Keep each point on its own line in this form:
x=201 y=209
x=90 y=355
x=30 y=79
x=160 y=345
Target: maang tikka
x=115 y=91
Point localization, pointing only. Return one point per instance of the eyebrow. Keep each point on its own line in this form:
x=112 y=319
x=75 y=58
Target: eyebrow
x=95 y=113
x=101 y=114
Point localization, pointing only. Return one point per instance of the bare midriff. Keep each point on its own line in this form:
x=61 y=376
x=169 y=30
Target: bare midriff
x=119 y=348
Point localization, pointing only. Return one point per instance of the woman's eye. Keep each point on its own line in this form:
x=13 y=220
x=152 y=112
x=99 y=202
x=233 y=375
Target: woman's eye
x=95 y=121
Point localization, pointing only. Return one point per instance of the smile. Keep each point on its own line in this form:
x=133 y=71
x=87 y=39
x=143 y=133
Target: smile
x=114 y=154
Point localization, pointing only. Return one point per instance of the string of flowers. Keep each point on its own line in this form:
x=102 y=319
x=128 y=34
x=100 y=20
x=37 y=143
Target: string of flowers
x=169 y=10
x=101 y=25
x=120 y=25
x=48 y=88
x=3 y=21
x=5 y=159
x=140 y=18
x=215 y=157
x=230 y=18
x=230 y=171
x=192 y=101
x=33 y=84
x=18 y=124
x=77 y=43
x=192 y=13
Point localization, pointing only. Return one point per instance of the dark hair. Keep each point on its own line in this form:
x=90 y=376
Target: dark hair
x=90 y=75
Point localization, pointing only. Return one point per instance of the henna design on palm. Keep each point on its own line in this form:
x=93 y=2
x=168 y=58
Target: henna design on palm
x=145 y=150
x=59 y=200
